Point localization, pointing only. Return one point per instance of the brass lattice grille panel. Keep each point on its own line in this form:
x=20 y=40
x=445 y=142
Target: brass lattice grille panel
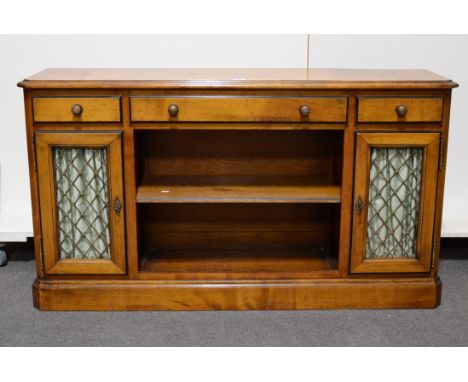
x=394 y=199
x=81 y=180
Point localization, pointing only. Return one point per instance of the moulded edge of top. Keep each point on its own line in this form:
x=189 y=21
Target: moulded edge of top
x=237 y=79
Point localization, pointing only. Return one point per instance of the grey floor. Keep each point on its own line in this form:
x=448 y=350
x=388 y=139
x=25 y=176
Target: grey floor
x=22 y=325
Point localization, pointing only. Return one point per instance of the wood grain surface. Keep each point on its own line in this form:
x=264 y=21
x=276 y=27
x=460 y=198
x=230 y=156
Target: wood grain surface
x=238 y=78
x=58 y=109
x=380 y=109
x=232 y=109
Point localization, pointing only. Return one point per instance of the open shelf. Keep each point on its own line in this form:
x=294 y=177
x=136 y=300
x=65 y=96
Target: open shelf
x=183 y=166
x=238 y=240
x=232 y=189
x=286 y=261
x=238 y=204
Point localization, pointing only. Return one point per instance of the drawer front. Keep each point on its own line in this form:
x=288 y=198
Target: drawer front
x=236 y=109
x=389 y=109
x=76 y=109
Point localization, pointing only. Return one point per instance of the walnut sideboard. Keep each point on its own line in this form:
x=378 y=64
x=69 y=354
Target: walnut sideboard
x=161 y=189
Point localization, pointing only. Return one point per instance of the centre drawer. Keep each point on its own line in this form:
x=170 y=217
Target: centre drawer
x=238 y=109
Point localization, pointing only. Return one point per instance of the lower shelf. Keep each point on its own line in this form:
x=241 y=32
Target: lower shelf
x=259 y=263
x=236 y=295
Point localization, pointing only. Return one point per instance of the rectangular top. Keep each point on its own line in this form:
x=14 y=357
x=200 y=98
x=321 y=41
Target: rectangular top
x=238 y=78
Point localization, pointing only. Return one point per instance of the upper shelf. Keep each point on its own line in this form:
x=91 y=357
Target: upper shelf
x=216 y=189
x=238 y=78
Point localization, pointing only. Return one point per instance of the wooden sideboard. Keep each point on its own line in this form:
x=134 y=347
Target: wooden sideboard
x=181 y=189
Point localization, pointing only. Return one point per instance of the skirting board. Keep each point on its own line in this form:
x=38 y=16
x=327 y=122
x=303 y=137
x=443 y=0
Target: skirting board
x=15 y=228
x=455 y=223
x=236 y=295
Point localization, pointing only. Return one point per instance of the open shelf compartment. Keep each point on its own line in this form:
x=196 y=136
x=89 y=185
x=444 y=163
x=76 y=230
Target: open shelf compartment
x=238 y=204
x=239 y=166
x=238 y=240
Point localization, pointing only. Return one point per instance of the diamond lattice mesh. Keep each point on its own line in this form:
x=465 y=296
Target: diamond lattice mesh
x=81 y=181
x=394 y=196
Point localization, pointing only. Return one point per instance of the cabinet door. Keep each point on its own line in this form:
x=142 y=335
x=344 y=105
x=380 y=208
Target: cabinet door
x=394 y=202
x=81 y=202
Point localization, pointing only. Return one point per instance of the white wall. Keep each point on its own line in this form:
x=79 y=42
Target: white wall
x=443 y=54
x=21 y=56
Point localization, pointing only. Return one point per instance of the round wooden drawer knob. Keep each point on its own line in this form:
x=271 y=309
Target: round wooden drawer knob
x=304 y=110
x=173 y=110
x=401 y=110
x=77 y=109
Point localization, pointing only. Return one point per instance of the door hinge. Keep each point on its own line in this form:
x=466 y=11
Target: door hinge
x=441 y=154
x=434 y=242
x=41 y=254
x=34 y=153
